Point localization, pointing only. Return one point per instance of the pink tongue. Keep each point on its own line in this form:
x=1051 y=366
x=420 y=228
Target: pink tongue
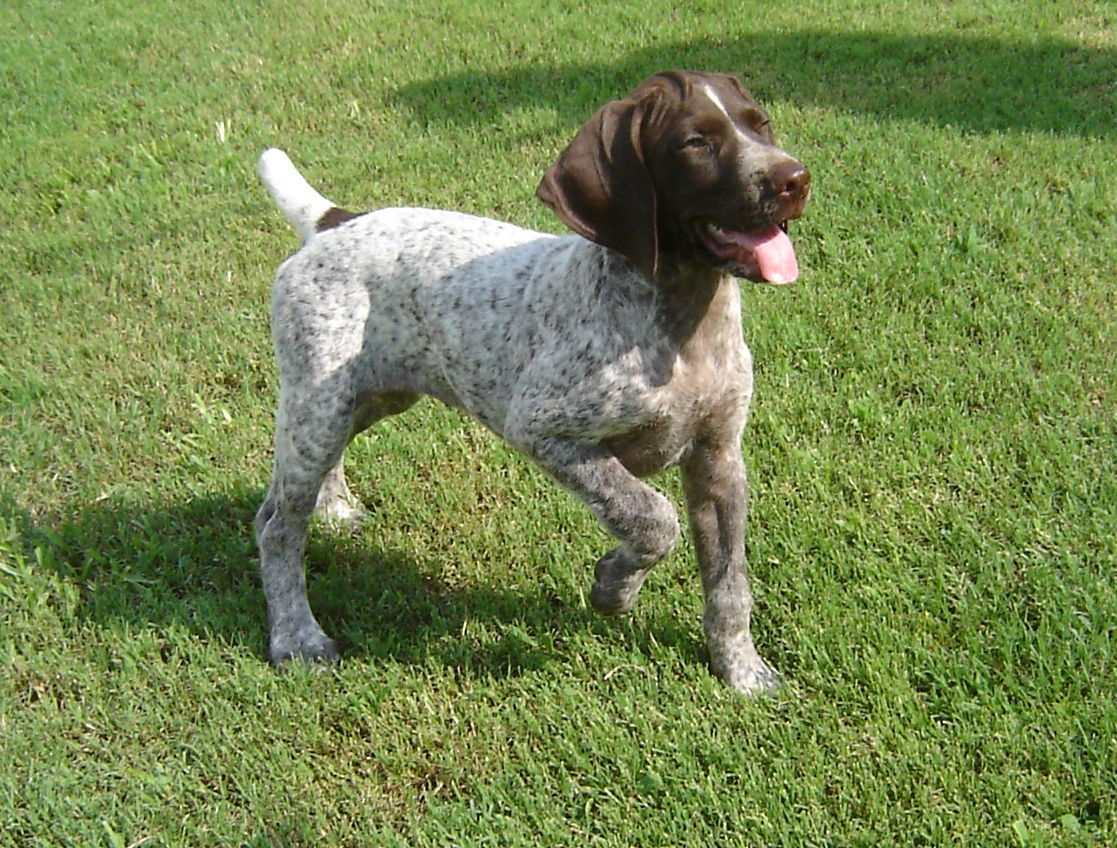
x=774 y=254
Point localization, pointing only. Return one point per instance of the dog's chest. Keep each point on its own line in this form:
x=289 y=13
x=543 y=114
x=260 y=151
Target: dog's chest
x=707 y=391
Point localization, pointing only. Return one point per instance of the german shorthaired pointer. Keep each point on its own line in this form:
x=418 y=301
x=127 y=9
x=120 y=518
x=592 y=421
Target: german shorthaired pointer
x=605 y=356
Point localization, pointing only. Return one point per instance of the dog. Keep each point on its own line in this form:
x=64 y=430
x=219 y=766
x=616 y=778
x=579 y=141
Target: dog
x=605 y=356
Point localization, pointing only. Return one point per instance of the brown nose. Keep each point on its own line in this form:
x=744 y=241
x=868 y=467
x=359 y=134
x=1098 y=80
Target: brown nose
x=792 y=183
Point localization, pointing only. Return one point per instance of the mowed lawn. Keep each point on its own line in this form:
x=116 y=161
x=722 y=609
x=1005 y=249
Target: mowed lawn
x=933 y=445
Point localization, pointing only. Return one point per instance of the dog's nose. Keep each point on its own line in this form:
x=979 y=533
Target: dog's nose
x=792 y=181
x=793 y=187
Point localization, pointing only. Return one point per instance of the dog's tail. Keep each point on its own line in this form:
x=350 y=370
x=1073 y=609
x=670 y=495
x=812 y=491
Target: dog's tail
x=295 y=197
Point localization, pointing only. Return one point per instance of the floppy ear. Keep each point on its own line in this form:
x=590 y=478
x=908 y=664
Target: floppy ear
x=601 y=188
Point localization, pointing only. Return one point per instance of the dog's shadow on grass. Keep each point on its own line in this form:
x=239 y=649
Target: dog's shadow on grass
x=973 y=83
x=193 y=565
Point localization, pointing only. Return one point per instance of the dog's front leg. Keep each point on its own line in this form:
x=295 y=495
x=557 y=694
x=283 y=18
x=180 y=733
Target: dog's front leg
x=717 y=498
x=642 y=519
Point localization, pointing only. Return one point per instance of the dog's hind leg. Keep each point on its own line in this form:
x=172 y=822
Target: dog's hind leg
x=310 y=438
x=307 y=448
x=335 y=501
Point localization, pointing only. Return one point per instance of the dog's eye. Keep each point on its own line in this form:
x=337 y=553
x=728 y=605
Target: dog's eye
x=696 y=142
x=755 y=120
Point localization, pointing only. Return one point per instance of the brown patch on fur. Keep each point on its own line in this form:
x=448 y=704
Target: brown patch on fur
x=335 y=217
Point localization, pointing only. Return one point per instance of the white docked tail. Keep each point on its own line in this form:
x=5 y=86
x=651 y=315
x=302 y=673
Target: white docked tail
x=294 y=196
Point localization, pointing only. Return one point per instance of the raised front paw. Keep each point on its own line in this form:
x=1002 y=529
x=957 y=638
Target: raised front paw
x=617 y=582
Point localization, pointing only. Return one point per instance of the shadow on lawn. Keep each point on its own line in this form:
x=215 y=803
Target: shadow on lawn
x=974 y=83
x=194 y=566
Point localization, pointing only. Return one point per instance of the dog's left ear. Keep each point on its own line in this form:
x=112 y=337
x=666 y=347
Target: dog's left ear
x=600 y=186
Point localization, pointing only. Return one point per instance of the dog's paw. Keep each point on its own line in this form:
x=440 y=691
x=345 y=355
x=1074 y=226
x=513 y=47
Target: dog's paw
x=341 y=512
x=755 y=678
x=315 y=648
x=336 y=504
x=617 y=583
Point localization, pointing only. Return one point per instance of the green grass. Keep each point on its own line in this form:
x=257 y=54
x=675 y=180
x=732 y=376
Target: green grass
x=933 y=445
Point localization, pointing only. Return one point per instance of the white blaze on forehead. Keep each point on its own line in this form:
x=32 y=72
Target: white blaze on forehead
x=713 y=95
x=752 y=154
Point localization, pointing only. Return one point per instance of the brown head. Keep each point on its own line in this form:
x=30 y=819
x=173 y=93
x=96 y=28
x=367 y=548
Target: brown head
x=686 y=165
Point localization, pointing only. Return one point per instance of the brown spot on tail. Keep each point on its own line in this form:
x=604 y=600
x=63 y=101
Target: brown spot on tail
x=335 y=217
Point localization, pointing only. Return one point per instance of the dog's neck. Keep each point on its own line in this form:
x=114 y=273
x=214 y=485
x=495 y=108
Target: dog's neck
x=689 y=292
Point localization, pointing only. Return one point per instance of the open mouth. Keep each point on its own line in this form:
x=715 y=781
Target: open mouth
x=764 y=256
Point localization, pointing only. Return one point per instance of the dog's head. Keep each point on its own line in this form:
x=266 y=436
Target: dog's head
x=686 y=165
